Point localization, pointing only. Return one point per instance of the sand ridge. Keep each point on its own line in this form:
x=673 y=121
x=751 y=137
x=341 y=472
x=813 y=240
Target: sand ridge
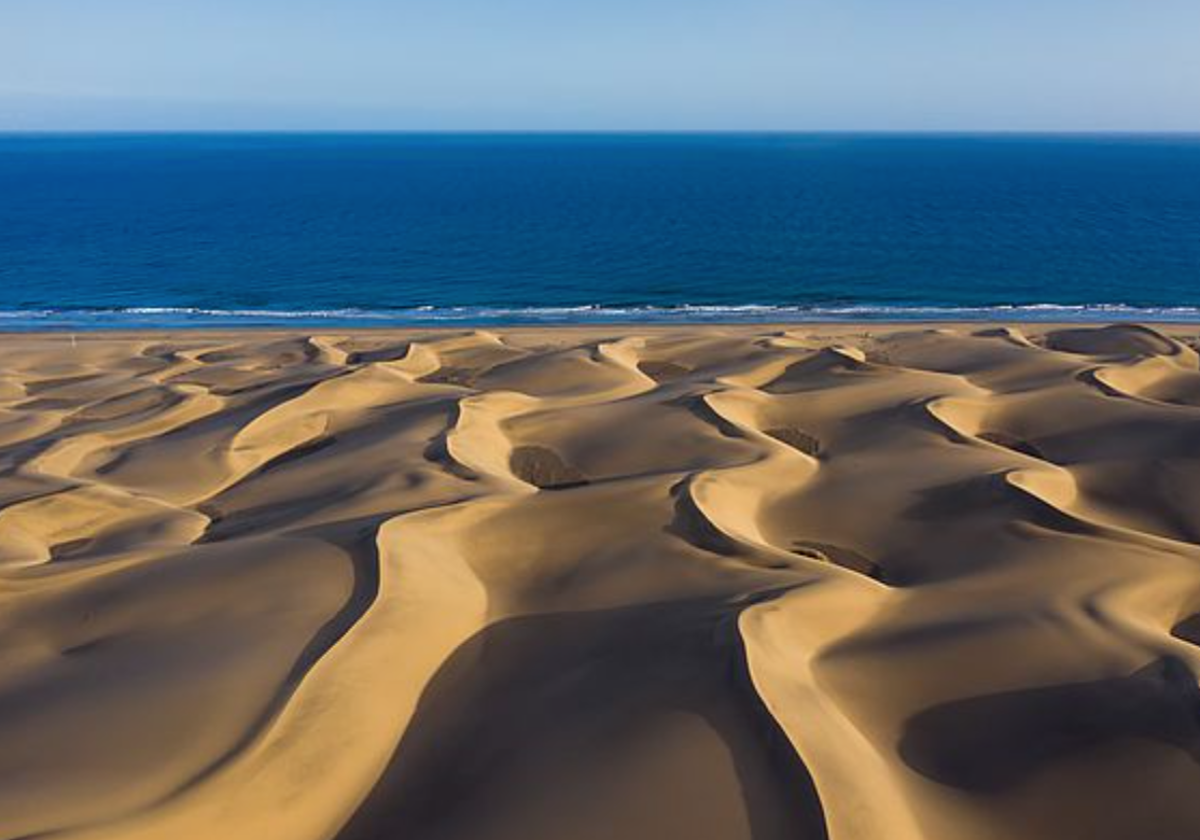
x=851 y=582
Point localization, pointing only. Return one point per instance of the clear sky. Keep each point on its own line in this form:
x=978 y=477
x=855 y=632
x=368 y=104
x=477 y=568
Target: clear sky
x=600 y=64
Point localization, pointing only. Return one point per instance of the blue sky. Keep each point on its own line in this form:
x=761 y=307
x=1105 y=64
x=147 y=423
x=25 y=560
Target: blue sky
x=600 y=64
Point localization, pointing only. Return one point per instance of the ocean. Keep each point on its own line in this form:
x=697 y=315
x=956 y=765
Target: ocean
x=376 y=229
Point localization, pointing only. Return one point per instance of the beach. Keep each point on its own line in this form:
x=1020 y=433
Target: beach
x=860 y=582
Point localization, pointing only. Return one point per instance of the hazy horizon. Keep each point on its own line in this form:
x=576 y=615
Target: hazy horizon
x=1058 y=66
x=998 y=133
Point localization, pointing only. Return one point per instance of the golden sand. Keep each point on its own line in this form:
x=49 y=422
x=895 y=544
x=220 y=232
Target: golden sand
x=713 y=583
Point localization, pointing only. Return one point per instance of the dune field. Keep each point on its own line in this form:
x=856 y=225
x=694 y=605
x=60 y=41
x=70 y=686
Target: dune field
x=601 y=583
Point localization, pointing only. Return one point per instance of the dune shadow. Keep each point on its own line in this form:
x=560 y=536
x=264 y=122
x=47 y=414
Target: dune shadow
x=1127 y=340
x=357 y=538
x=531 y=701
x=991 y=742
x=988 y=496
x=691 y=525
x=1188 y=629
x=1016 y=444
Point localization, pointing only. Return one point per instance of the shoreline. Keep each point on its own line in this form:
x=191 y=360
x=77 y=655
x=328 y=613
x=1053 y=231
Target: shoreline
x=899 y=582
x=496 y=316
x=818 y=327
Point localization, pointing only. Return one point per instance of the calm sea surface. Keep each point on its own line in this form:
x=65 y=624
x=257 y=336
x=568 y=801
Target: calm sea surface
x=168 y=230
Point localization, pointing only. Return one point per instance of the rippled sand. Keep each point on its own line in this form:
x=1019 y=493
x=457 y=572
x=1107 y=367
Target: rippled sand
x=873 y=583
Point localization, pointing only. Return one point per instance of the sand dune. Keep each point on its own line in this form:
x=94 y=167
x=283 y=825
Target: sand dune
x=813 y=582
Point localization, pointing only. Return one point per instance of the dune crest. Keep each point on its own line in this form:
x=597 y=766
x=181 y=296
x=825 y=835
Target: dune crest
x=724 y=583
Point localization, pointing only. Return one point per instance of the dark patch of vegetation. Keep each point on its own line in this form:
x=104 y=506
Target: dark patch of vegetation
x=462 y=377
x=795 y=438
x=544 y=469
x=661 y=371
x=839 y=556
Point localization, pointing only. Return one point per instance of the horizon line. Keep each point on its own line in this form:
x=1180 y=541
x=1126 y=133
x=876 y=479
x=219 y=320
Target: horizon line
x=959 y=132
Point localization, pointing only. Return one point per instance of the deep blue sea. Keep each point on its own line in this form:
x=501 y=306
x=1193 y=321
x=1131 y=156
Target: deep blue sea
x=372 y=229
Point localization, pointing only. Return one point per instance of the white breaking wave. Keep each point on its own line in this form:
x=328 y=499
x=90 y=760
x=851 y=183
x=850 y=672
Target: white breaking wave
x=186 y=316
